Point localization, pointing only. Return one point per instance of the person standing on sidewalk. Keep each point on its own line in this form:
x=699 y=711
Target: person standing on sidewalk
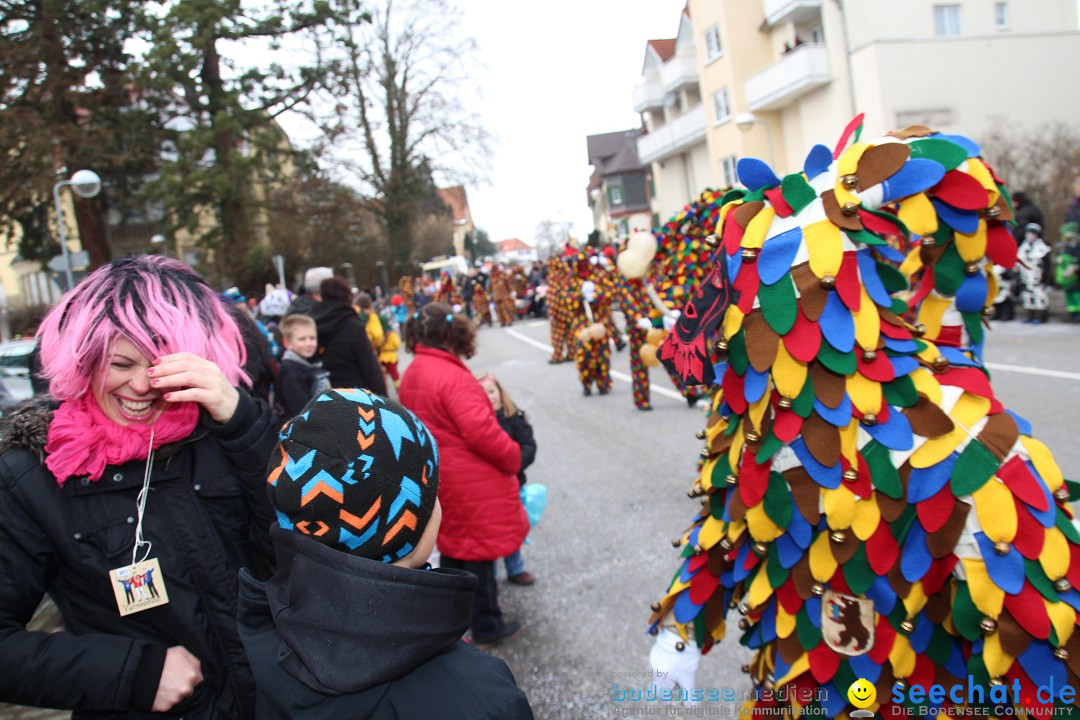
x=483 y=518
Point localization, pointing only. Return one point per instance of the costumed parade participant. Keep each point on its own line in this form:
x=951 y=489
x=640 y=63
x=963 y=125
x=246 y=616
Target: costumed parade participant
x=869 y=509
x=502 y=294
x=558 y=276
x=1034 y=271
x=408 y=291
x=1067 y=269
x=633 y=263
x=481 y=306
x=449 y=293
x=590 y=303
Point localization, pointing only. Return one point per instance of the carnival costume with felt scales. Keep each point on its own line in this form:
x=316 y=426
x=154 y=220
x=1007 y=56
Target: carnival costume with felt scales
x=869 y=506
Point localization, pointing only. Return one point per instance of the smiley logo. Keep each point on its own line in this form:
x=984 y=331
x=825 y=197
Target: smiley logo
x=862 y=693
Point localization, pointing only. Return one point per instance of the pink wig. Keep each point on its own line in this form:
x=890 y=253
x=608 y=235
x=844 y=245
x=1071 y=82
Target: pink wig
x=162 y=306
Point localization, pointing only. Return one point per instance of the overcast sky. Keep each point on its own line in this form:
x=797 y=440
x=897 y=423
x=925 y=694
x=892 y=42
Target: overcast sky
x=555 y=72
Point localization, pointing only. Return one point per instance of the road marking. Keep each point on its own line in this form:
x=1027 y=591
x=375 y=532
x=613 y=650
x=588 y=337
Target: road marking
x=614 y=373
x=536 y=323
x=1033 y=371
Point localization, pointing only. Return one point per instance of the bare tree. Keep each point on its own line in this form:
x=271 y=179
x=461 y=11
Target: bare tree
x=399 y=116
x=1043 y=162
x=548 y=236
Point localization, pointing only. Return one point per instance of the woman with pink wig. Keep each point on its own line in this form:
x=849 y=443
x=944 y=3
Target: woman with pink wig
x=149 y=451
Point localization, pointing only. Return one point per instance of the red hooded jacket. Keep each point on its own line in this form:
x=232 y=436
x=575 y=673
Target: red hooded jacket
x=483 y=518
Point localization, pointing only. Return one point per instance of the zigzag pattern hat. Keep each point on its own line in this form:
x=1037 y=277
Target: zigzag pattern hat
x=356 y=472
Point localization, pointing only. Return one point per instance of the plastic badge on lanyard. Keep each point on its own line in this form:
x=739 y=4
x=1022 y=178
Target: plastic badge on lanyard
x=140 y=585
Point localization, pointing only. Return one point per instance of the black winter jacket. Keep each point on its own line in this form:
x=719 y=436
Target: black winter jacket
x=207 y=516
x=521 y=432
x=335 y=636
x=345 y=349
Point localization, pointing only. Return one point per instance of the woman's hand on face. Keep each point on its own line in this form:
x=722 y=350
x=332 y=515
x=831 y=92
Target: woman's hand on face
x=185 y=377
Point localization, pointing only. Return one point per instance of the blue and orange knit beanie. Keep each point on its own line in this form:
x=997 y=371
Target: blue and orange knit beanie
x=356 y=472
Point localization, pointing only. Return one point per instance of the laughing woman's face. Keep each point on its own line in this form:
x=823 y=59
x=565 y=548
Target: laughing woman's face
x=122 y=388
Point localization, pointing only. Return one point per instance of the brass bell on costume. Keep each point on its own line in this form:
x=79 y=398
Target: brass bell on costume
x=828 y=282
x=680 y=646
x=744 y=624
x=698 y=549
x=655 y=607
x=849 y=208
x=676 y=542
x=971 y=268
x=869 y=419
x=752 y=436
x=712 y=240
x=817 y=589
x=1061 y=653
x=1002 y=547
x=784 y=403
x=838 y=536
x=907 y=627
x=928 y=241
x=851 y=475
x=1062 y=493
x=849 y=181
x=919 y=330
x=749 y=254
x=721 y=346
x=988 y=624
x=869 y=356
x=993 y=212
x=1062 y=585
x=760 y=548
x=941 y=363
x=700 y=434
x=731 y=479
x=988 y=311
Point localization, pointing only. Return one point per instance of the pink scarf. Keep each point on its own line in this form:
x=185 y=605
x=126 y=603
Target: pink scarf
x=83 y=441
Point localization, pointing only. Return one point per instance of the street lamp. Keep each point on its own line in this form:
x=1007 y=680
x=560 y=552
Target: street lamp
x=745 y=121
x=85 y=184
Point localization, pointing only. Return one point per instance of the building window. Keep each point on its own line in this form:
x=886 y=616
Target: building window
x=624 y=227
x=946 y=20
x=615 y=194
x=721 y=105
x=713 y=48
x=817 y=34
x=656 y=220
x=1001 y=16
x=652 y=187
x=730 y=175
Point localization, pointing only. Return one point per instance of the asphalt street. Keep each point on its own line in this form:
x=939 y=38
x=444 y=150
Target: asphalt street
x=617 y=480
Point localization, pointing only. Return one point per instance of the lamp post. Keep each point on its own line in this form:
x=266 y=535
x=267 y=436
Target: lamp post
x=158 y=240
x=745 y=121
x=85 y=184
x=385 y=276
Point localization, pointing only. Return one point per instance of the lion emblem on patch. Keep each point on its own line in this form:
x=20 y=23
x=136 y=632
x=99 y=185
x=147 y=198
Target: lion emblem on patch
x=847 y=623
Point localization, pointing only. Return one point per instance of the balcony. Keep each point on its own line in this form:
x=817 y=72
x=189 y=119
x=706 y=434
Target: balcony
x=649 y=94
x=673 y=137
x=798 y=72
x=794 y=11
x=679 y=71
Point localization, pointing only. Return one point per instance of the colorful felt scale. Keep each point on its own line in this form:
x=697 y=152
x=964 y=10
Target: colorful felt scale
x=870 y=507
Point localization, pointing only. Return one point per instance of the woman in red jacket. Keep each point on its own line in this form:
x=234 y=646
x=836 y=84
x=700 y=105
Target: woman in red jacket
x=483 y=519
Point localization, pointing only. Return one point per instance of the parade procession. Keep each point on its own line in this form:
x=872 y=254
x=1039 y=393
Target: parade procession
x=778 y=421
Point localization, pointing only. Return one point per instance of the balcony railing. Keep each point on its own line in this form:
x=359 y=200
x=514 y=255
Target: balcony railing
x=798 y=72
x=673 y=137
x=796 y=11
x=679 y=71
x=649 y=94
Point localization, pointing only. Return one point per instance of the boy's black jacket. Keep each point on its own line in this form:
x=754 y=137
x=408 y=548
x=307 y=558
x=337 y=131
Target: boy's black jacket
x=333 y=635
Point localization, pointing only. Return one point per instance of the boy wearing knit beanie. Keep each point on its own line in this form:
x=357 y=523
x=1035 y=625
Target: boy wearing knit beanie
x=354 y=623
